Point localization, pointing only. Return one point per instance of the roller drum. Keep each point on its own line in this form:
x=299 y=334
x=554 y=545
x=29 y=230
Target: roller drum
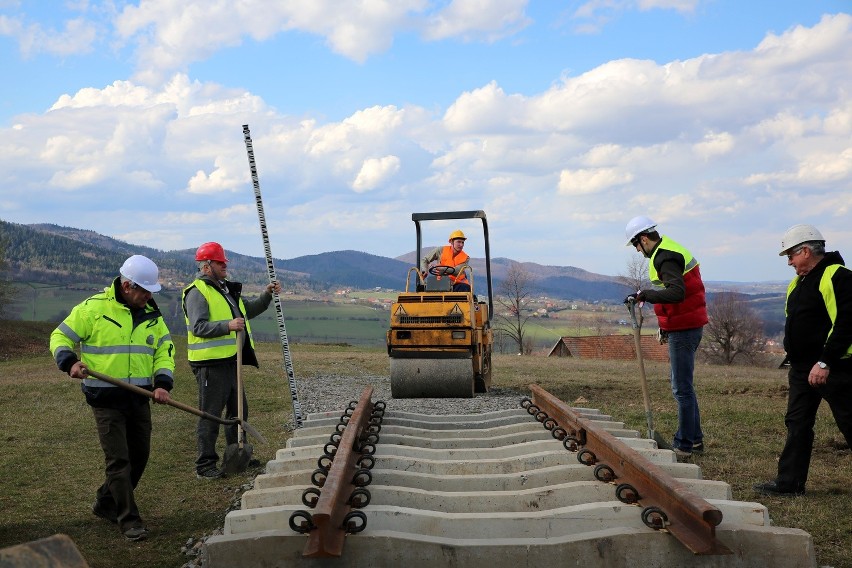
x=431 y=378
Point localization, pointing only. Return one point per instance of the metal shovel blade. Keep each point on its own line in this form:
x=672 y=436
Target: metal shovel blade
x=236 y=458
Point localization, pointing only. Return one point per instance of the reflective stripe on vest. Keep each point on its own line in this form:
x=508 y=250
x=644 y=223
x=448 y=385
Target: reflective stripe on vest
x=826 y=288
x=223 y=346
x=449 y=259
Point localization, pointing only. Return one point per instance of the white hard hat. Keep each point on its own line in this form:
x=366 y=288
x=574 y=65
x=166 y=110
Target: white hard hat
x=141 y=270
x=798 y=234
x=638 y=225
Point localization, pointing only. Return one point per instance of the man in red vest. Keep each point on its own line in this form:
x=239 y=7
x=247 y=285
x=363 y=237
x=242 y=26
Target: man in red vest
x=451 y=255
x=681 y=308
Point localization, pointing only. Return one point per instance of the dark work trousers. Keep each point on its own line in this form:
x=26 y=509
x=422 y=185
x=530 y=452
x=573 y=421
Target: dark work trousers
x=217 y=391
x=125 y=437
x=803 y=401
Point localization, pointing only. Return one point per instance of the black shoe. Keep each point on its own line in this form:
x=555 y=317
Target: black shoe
x=698 y=448
x=110 y=516
x=136 y=533
x=253 y=462
x=772 y=488
x=210 y=473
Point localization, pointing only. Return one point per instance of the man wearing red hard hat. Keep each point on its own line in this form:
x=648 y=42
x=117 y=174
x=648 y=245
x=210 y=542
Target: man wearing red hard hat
x=215 y=310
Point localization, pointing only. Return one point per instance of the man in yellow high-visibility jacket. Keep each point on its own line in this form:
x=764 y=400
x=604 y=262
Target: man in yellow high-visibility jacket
x=121 y=334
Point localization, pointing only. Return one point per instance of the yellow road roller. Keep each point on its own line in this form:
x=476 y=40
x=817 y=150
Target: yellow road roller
x=440 y=341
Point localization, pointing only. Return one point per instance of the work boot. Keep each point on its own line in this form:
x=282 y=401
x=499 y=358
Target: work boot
x=209 y=473
x=772 y=488
x=136 y=533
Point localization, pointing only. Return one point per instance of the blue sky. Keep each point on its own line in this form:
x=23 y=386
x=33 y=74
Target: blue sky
x=724 y=121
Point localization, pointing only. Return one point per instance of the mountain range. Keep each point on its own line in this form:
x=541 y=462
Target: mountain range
x=53 y=254
x=58 y=255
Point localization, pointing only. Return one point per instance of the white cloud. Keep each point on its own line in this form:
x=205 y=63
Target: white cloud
x=714 y=145
x=593 y=15
x=584 y=181
x=375 y=171
x=77 y=37
x=170 y=35
x=474 y=19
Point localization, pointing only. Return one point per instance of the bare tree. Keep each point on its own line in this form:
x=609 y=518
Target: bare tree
x=635 y=276
x=512 y=293
x=735 y=329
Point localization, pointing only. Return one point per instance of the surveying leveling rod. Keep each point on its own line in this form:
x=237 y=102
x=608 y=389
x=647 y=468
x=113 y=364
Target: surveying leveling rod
x=282 y=330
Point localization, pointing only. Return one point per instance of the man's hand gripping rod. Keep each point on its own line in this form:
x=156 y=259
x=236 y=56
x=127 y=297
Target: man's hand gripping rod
x=282 y=331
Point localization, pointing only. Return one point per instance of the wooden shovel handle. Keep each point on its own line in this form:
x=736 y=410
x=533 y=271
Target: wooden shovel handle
x=170 y=402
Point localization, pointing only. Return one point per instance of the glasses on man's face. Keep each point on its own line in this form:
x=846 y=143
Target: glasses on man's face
x=794 y=252
x=635 y=241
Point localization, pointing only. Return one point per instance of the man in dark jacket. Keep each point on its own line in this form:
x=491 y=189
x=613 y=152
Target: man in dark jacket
x=681 y=309
x=818 y=342
x=215 y=310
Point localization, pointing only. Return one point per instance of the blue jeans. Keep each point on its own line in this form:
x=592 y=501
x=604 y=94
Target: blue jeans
x=682 y=347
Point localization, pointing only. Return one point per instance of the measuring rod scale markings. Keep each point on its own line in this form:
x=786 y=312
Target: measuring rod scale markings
x=282 y=330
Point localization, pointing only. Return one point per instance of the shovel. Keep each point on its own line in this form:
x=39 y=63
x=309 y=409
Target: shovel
x=237 y=456
x=180 y=405
x=637 y=339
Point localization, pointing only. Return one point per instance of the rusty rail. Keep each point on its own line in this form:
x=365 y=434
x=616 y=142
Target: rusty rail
x=668 y=504
x=342 y=484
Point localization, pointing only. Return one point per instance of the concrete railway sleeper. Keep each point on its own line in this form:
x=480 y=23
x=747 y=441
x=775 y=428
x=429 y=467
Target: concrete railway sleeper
x=495 y=490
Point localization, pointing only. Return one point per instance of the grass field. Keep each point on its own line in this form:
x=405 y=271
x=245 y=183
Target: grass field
x=357 y=319
x=52 y=464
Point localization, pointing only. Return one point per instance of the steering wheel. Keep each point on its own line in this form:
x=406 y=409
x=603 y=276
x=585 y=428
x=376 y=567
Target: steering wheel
x=442 y=270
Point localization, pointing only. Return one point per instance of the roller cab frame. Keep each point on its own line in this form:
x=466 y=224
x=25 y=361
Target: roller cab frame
x=439 y=341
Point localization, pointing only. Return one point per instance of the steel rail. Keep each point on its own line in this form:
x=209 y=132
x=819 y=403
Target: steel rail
x=327 y=537
x=685 y=515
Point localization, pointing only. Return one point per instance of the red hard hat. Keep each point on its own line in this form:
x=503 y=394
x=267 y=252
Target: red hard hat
x=211 y=251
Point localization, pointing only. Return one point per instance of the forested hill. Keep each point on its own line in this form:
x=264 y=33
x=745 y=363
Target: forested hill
x=51 y=254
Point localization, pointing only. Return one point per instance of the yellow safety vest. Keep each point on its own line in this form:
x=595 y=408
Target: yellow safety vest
x=223 y=346
x=826 y=288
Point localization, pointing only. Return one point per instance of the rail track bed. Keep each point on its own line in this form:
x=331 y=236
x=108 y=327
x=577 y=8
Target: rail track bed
x=541 y=484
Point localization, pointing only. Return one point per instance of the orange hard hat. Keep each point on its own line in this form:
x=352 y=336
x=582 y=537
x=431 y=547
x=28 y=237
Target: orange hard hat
x=211 y=251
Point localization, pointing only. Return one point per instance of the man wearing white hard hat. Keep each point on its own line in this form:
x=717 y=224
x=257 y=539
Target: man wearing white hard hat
x=122 y=334
x=681 y=309
x=818 y=342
